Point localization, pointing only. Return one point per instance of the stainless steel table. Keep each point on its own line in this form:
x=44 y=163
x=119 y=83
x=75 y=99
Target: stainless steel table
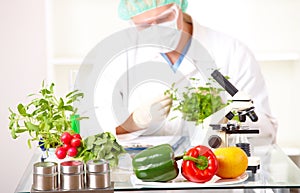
x=277 y=173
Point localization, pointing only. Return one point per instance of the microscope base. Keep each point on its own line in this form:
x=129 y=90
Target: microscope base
x=253 y=164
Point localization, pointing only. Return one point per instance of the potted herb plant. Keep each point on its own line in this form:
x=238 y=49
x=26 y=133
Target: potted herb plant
x=45 y=117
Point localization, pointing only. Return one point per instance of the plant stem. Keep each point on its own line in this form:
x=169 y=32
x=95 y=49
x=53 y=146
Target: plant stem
x=201 y=161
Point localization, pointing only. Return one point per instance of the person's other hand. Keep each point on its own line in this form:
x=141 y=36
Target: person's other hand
x=153 y=112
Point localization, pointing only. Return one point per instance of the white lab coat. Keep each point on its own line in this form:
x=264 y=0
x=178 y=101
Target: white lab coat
x=231 y=57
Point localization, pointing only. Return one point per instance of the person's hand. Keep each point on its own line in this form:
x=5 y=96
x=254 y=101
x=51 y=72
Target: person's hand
x=153 y=112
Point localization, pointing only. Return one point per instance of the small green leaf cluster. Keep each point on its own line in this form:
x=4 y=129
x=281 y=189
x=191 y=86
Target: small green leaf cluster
x=101 y=146
x=45 y=117
x=197 y=103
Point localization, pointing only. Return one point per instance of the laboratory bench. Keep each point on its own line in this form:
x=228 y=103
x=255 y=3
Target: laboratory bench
x=276 y=173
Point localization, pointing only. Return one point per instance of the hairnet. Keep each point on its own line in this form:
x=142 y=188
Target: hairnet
x=130 y=8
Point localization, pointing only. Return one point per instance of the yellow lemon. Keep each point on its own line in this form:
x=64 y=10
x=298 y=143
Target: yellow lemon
x=232 y=161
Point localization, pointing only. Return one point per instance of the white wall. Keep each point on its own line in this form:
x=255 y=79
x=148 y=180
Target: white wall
x=23 y=67
x=283 y=80
x=264 y=25
x=76 y=26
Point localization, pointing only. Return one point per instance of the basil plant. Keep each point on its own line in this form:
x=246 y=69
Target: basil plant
x=45 y=117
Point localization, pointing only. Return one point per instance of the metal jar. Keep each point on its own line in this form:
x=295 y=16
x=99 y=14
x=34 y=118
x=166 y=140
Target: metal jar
x=71 y=175
x=97 y=174
x=45 y=176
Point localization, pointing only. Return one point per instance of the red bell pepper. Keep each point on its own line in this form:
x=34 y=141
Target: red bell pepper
x=199 y=164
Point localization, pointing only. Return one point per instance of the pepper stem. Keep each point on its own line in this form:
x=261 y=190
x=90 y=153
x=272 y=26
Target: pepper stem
x=201 y=161
x=179 y=157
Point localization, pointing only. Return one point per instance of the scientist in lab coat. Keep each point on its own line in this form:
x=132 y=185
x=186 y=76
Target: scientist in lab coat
x=231 y=57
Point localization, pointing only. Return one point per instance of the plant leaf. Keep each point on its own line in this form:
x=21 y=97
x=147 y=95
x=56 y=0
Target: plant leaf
x=29 y=143
x=31 y=127
x=22 y=110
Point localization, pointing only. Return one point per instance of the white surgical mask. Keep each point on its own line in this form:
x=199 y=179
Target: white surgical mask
x=163 y=28
x=164 y=39
x=171 y=24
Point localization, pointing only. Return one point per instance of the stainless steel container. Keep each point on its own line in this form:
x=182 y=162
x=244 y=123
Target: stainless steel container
x=71 y=175
x=97 y=174
x=45 y=176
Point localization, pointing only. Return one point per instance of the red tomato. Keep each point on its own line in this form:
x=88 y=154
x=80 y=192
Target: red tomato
x=66 y=146
x=72 y=151
x=75 y=142
x=66 y=138
x=78 y=136
x=60 y=153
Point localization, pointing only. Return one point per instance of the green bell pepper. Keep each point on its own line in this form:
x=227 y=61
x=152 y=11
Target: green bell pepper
x=155 y=164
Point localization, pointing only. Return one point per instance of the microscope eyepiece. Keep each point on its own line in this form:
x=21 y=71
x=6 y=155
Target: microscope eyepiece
x=252 y=115
x=242 y=117
x=248 y=112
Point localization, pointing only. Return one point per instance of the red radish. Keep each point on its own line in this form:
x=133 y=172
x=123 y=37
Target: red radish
x=75 y=142
x=77 y=136
x=60 y=153
x=66 y=146
x=66 y=138
x=72 y=151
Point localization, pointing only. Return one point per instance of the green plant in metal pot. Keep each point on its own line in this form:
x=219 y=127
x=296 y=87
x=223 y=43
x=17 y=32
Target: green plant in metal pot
x=197 y=102
x=45 y=117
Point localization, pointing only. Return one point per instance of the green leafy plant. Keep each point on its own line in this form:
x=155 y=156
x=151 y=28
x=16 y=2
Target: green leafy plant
x=101 y=146
x=45 y=117
x=197 y=103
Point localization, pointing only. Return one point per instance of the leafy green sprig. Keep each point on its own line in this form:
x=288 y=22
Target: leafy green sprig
x=197 y=103
x=45 y=117
x=101 y=146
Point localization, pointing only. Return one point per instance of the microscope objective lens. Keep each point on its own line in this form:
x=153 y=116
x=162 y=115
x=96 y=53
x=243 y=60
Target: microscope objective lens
x=245 y=147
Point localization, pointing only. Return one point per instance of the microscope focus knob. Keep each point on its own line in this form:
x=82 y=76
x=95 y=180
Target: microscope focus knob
x=214 y=141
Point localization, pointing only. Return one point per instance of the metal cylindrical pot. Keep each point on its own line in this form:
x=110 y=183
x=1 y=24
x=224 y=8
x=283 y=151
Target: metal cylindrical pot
x=45 y=176
x=97 y=174
x=71 y=175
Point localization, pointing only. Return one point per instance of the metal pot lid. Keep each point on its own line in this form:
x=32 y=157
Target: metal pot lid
x=71 y=167
x=45 y=168
x=99 y=165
